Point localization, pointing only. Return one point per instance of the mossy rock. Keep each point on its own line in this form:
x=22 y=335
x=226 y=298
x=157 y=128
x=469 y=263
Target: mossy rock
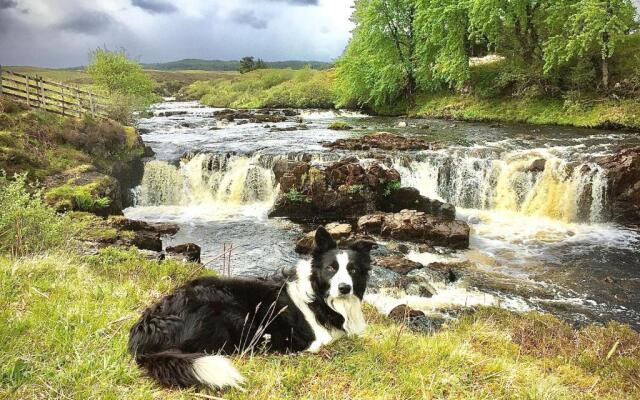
x=84 y=189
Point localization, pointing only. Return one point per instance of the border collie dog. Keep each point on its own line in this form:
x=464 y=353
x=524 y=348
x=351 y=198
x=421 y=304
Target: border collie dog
x=181 y=340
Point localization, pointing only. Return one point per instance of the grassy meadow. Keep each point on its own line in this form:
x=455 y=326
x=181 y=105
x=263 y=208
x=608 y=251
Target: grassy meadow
x=67 y=319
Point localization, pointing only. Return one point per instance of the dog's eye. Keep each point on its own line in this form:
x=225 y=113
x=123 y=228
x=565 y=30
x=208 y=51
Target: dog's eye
x=334 y=266
x=351 y=267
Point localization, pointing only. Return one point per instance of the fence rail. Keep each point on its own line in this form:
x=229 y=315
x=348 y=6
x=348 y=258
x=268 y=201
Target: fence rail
x=52 y=96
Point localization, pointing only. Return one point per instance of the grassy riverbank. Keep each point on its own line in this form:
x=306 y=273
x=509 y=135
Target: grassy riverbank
x=67 y=319
x=589 y=113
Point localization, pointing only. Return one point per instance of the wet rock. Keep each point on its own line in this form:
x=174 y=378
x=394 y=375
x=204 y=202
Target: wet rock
x=143 y=131
x=537 y=165
x=402 y=124
x=261 y=118
x=344 y=190
x=144 y=240
x=403 y=312
x=383 y=141
x=287 y=129
x=623 y=184
x=380 y=278
x=288 y=112
x=340 y=126
x=408 y=198
x=397 y=264
x=398 y=248
x=339 y=232
x=188 y=252
x=417 y=227
x=187 y=125
x=416 y=320
x=170 y=113
x=148 y=152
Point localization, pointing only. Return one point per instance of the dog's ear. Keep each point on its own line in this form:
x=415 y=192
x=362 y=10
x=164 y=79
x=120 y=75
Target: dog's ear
x=363 y=246
x=324 y=241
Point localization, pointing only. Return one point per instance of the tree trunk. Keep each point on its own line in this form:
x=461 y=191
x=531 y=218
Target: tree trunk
x=605 y=73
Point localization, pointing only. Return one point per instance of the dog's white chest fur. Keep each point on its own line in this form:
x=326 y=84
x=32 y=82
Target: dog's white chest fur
x=301 y=293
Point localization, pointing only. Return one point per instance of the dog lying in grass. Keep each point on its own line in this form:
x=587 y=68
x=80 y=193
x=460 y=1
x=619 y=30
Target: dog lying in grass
x=182 y=340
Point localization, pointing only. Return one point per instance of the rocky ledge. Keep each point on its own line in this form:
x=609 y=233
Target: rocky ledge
x=345 y=190
x=623 y=183
x=382 y=141
x=418 y=227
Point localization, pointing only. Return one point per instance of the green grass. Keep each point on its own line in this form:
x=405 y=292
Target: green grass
x=67 y=319
x=275 y=88
x=591 y=113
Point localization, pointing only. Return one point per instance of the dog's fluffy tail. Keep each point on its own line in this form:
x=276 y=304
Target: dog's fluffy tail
x=174 y=368
x=154 y=341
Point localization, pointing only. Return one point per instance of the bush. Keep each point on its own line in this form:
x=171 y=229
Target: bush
x=27 y=226
x=101 y=138
x=282 y=88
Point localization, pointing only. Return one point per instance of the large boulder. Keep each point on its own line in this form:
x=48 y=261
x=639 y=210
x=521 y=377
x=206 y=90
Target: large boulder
x=623 y=184
x=339 y=232
x=344 y=190
x=408 y=198
x=397 y=264
x=418 y=227
x=188 y=252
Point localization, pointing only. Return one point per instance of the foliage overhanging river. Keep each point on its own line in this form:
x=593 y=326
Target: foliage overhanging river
x=534 y=197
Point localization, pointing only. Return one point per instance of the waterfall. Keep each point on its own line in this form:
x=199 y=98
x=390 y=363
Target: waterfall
x=208 y=179
x=532 y=182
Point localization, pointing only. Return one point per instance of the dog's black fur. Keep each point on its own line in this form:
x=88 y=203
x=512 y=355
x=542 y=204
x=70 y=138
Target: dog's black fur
x=223 y=316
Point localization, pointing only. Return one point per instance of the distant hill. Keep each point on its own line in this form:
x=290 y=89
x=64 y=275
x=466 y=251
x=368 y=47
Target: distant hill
x=219 y=65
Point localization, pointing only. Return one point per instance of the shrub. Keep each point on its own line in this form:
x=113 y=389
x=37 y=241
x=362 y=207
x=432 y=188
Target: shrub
x=27 y=226
x=296 y=197
x=391 y=187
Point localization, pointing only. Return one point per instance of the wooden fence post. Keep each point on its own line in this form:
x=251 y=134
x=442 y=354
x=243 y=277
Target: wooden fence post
x=93 y=109
x=43 y=103
x=78 y=101
x=62 y=99
x=27 y=89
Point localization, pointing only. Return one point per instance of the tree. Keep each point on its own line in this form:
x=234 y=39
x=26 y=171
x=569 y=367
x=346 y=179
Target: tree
x=512 y=28
x=379 y=64
x=588 y=29
x=118 y=74
x=247 y=64
x=260 y=64
x=443 y=47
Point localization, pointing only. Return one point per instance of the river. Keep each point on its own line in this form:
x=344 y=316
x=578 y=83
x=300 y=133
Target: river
x=534 y=197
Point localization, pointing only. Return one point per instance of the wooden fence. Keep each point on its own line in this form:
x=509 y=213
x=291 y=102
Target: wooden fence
x=52 y=96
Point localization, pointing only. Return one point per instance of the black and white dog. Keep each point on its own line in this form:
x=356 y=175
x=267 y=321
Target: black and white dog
x=181 y=339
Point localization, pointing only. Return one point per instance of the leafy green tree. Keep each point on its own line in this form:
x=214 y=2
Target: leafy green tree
x=116 y=73
x=443 y=47
x=513 y=28
x=379 y=65
x=588 y=29
x=247 y=64
x=260 y=64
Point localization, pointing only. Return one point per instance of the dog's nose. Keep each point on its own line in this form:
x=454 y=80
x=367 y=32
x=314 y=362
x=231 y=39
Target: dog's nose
x=344 y=288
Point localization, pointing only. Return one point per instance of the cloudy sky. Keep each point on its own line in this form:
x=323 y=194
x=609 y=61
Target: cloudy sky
x=60 y=33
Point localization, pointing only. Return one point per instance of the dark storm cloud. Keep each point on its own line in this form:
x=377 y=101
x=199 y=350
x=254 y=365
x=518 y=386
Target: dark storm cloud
x=5 y=4
x=155 y=6
x=249 y=17
x=87 y=22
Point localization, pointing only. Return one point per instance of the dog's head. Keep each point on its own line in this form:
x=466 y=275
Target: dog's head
x=338 y=273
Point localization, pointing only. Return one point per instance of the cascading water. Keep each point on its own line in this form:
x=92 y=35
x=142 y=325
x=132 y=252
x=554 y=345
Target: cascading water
x=207 y=179
x=531 y=182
